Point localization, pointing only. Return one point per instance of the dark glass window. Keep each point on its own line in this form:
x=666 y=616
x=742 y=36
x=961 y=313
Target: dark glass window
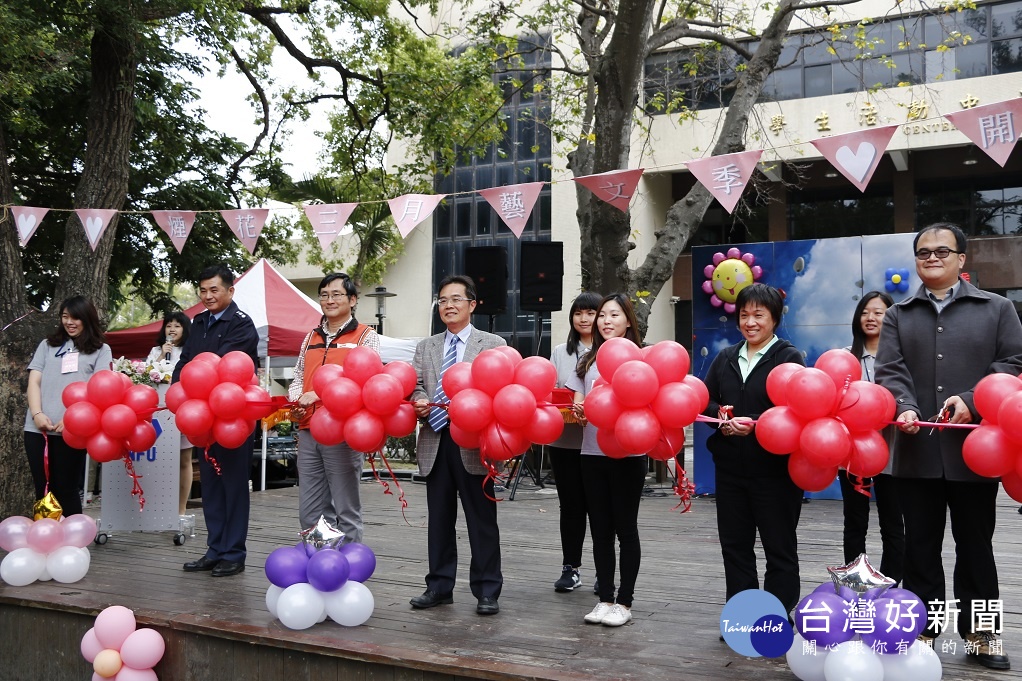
x=820 y=215
x=981 y=208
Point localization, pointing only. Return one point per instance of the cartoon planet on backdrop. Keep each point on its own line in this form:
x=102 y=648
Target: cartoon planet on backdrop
x=728 y=275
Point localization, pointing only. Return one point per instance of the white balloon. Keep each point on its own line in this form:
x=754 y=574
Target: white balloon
x=68 y=564
x=272 y=596
x=22 y=566
x=351 y=605
x=919 y=663
x=44 y=576
x=805 y=665
x=852 y=661
x=299 y=606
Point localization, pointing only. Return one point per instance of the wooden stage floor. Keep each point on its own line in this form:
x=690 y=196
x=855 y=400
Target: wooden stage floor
x=539 y=634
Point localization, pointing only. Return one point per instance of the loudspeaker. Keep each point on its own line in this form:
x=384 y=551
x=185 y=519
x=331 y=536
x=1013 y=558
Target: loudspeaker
x=487 y=265
x=541 y=275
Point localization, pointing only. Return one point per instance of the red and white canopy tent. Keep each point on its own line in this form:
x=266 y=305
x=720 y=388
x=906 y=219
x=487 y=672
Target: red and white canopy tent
x=282 y=314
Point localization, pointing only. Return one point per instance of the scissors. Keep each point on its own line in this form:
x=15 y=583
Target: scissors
x=943 y=416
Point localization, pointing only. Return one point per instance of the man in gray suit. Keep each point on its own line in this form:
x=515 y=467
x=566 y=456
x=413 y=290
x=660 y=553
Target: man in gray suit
x=935 y=346
x=451 y=471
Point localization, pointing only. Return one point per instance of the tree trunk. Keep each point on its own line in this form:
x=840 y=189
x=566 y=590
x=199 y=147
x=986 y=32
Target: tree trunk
x=17 y=341
x=104 y=180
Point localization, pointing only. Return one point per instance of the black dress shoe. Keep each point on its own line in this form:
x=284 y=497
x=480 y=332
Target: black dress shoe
x=985 y=648
x=487 y=606
x=201 y=564
x=227 y=568
x=429 y=599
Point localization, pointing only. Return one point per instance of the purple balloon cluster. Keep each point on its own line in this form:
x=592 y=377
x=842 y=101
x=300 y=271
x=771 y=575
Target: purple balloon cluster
x=887 y=625
x=326 y=569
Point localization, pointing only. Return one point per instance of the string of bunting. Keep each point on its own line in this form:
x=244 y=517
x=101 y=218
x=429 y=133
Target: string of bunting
x=855 y=155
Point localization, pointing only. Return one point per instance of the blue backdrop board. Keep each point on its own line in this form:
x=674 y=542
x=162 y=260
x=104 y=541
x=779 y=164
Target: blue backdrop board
x=823 y=280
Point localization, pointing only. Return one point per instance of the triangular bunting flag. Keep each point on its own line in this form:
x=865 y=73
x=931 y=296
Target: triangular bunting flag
x=177 y=224
x=27 y=219
x=513 y=203
x=991 y=127
x=329 y=221
x=615 y=187
x=726 y=176
x=94 y=221
x=247 y=224
x=856 y=155
x=411 y=209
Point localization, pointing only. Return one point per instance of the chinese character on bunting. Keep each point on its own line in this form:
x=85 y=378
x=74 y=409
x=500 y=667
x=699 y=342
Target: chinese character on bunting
x=616 y=187
x=992 y=128
x=726 y=176
x=177 y=224
x=513 y=203
x=857 y=154
x=411 y=209
x=247 y=224
x=94 y=222
x=27 y=219
x=329 y=221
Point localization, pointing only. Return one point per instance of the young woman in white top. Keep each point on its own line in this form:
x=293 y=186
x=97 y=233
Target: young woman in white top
x=173 y=335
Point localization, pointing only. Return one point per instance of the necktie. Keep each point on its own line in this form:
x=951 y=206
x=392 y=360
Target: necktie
x=438 y=418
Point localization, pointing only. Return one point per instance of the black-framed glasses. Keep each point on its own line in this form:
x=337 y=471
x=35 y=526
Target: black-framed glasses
x=941 y=253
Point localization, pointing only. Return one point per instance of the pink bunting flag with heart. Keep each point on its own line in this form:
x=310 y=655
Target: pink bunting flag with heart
x=616 y=187
x=856 y=155
x=27 y=219
x=726 y=176
x=513 y=203
x=95 y=221
x=411 y=209
x=329 y=221
x=991 y=127
x=177 y=224
x=247 y=224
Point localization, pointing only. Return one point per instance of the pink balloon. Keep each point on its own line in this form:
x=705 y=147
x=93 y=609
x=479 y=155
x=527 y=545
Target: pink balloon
x=456 y=379
x=326 y=428
x=405 y=375
x=14 y=532
x=362 y=363
x=79 y=530
x=365 y=432
x=546 y=425
x=491 y=371
x=235 y=367
x=382 y=394
x=45 y=535
x=609 y=445
x=401 y=421
x=602 y=407
x=143 y=649
x=613 y=353
x=514 y=405
x=537 y=374
x=471 y=410
x=91 y=646
x=74 y=392
x=635 y=384
x=510 y=353
x=342 y=396
x=670 y=360
x=113 y=626
x=324 y=376
x=637 y=430
x=676 y=405
x=465 y=438
x=132 y=674
x=700 y=390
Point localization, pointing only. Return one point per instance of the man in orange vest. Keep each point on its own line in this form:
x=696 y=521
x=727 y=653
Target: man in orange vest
x=329 y=474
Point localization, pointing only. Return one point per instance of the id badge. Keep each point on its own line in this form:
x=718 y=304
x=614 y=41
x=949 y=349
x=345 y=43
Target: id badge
x=69 y=363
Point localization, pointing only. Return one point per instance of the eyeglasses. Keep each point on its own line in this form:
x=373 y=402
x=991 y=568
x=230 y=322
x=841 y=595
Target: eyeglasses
x=457 y=301
x=332 y=296
x=941 y=253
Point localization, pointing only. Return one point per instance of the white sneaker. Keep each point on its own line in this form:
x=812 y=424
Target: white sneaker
x=616 y=616
x=598 y=613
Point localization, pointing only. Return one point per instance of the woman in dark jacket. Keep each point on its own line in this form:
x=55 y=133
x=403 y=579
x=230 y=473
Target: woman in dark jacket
x=754 y=490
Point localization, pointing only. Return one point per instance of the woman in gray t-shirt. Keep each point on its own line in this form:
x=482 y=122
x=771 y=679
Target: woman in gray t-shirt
x=73 y=352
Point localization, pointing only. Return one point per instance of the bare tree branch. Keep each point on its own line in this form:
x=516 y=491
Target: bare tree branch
x=232 y=178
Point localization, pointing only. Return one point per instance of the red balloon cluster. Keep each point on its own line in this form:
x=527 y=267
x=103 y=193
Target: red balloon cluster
x=109 y=416
x=648 y=400
x=218 y=399
x=363 y=401
x=994 y=449
x=825 y=417
x=495 y=403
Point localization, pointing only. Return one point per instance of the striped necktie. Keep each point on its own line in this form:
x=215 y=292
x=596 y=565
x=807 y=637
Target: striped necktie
x=438 y=418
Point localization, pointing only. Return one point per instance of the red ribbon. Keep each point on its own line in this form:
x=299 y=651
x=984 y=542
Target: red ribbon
x=858 y=483
x=211 y=460
x=684 y=488
x=492 y=474
x=371 y=457
x=46 y=462
x=136 y=489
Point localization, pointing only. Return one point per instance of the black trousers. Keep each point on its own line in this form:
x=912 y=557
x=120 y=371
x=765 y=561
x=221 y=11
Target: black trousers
x=772 y=506
x=445 y=483
x=892 y=525
x=571 y=495
x=925 y=503
x=226 y=500
x=66 y=466
x=614 y=490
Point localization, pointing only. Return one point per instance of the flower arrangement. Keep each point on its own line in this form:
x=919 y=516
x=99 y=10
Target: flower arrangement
x=145 y=373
